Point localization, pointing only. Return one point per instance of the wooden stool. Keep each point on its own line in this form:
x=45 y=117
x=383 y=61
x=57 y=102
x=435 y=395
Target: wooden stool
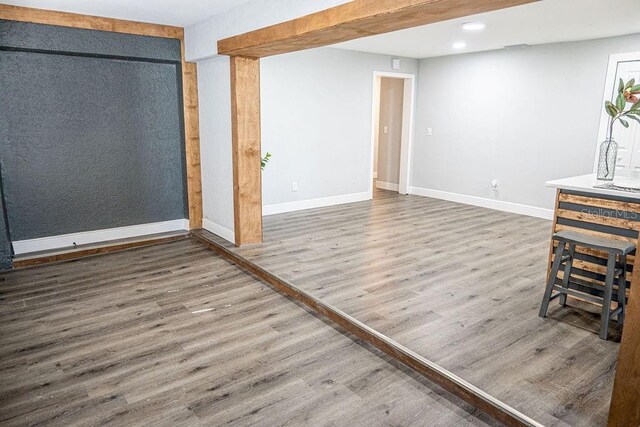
x=616 y=270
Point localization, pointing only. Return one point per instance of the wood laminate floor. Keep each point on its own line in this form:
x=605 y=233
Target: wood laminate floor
x=174 y=335
x=458 y=284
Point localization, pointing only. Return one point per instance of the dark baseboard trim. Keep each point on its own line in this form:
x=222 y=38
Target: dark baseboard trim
x=452 y=383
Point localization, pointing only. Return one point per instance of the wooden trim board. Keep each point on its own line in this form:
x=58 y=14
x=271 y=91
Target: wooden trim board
x=352 y=20
x=192 y=140
x=92 y=251
x=454 y=384
x=189 y=80
x=87 y=22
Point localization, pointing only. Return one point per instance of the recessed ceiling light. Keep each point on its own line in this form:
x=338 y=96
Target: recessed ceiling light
x=459 y=45
x=473 y=26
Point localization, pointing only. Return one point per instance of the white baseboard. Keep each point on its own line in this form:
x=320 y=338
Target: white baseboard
x=483 y=202
x=219 y=230
x=387 y=186
x=314 y=203
x=66 y=241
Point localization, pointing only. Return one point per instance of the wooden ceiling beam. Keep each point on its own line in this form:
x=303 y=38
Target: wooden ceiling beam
x=352 y=20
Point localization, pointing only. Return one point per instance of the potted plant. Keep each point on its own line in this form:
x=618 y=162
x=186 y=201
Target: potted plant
x=265 y=160
x=627 y=94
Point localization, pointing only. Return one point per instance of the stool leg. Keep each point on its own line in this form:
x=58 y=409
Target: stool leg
x=552 y=279
x=567 y=273
x=622 y=290
x=606 y=300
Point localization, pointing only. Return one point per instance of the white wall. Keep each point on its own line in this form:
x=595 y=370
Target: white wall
x=316 y=121
x=522 y=116
x=214 y=94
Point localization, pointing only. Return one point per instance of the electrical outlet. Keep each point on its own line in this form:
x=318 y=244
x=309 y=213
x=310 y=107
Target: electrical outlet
x=494 y=184
x=429 y=131
x=385 y=129
x=294 y=186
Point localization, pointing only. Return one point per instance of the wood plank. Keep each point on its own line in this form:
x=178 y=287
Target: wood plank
x=247 y=175
x=600 y=203
x=175 y=335
x=395 y=264
x=625 y=408
x=74 y=20
x=599 y=219
x=352 y=20
x=192 y=141
x=460 y=388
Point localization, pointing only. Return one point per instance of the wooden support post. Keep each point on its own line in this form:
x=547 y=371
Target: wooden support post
x=192 y=141
x=245 y=131
x=625 y=406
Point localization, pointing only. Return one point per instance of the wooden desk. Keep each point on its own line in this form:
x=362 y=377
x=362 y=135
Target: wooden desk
x=614 y=214
x=599 y=212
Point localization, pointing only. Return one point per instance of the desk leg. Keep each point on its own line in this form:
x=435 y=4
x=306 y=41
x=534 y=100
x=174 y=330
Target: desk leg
x=553 y=230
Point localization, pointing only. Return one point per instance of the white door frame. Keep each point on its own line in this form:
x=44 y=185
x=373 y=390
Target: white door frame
x=408 y=113
x=610 y=86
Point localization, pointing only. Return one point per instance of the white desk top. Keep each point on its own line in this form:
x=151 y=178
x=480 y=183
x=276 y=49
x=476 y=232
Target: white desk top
x=585 y=183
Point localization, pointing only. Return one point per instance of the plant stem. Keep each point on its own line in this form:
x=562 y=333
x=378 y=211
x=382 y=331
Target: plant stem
x=606 y=154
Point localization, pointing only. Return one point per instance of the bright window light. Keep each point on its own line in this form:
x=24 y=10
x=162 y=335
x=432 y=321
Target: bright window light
x=459 y=45
x=473 y=26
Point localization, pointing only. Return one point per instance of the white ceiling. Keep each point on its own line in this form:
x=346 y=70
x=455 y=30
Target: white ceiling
x=169 y=12
x=547 y=21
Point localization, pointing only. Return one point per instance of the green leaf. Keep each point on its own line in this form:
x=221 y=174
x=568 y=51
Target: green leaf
x=611 y=109
x=265 y=160
x=634 y=112
x=621 y=86
x=637 y=119
x=630 y=83
x=634 y=88
x=620 y=102
x=624 y=123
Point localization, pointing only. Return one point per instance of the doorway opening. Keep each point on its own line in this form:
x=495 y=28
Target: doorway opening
x=391 y=131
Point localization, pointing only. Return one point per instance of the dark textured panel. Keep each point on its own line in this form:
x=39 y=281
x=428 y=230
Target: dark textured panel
x=89 y=143
x=23 y=35
x=5 y=241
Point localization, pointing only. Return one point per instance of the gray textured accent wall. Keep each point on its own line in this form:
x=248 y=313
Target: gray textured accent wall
x=5 y=243
x=89 y=142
